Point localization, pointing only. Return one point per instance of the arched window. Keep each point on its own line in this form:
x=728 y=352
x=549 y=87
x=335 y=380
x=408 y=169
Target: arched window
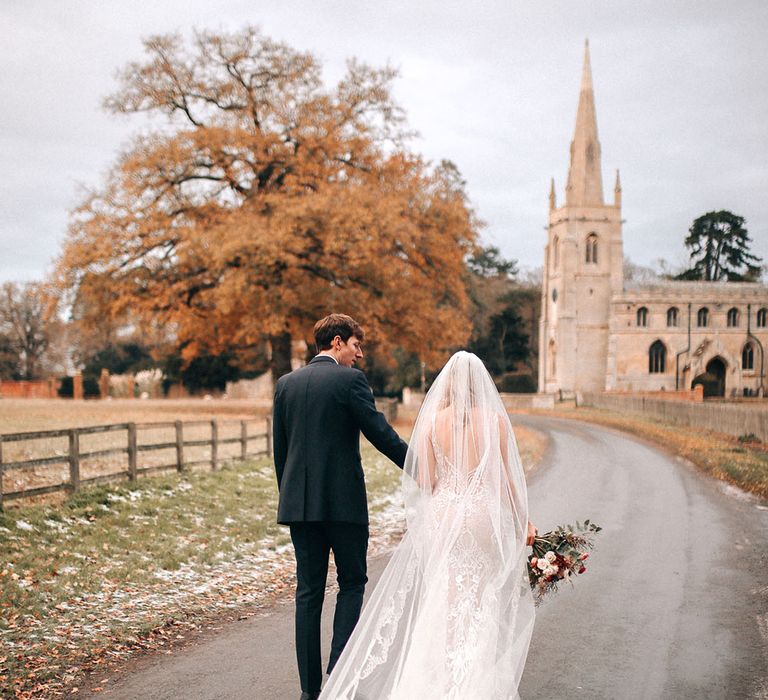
x=761 y=318
x=733 y=317
x=702 y=318
x=592 y=248
x=672 y=317
x=657 y=356
x=555 y=251
x=748 y=356
x=642 y=316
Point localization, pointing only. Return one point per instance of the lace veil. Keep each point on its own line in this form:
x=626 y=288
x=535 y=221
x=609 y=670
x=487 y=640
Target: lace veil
x=452 y=614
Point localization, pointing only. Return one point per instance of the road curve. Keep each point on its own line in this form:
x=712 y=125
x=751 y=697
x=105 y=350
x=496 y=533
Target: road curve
x=674 y=605
x=675 y=601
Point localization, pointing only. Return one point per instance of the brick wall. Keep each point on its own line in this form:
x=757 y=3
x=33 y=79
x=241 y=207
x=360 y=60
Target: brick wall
x=39 y=389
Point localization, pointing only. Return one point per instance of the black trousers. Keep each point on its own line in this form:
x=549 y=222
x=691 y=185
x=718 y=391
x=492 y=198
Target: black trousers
x=313 y=542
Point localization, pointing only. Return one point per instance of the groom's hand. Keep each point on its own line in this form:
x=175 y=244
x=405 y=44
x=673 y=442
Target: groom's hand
x=532 y=532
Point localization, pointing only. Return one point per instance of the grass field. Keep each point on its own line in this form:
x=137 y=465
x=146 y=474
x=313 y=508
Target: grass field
x=118 y=568
x=88 y=580
x=17 y=415
x=39 y=415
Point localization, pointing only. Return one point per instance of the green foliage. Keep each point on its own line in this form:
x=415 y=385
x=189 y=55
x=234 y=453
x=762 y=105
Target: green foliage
x=390 y=370
x=9 y=358
x=488 y=262
x=120 y=358
x=505 y=344
x=204 y=372
x=505 y=314
x=720 y=249
x=517 y=383
x=66 y=387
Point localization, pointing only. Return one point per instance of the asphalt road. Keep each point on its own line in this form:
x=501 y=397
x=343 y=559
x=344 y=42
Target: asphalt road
x=674 y=605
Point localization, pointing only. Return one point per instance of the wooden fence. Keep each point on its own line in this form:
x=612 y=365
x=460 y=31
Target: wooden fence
x=132 y=449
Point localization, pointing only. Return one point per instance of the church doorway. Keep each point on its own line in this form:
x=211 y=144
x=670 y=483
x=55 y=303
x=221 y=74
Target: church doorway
x=713 y=379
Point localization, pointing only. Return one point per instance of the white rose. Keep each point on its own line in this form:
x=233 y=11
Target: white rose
x=542 y=564
x=550 y=556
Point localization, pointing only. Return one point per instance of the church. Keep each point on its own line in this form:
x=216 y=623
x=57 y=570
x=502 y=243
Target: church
x=599 y=333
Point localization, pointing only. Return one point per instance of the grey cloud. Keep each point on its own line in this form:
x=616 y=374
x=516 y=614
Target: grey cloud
x=680 y=94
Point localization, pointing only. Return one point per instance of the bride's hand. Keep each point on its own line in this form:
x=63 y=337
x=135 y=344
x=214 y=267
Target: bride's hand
x=532 y=532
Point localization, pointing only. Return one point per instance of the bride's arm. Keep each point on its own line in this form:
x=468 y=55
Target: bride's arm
x=427 y=471
x=531 y=529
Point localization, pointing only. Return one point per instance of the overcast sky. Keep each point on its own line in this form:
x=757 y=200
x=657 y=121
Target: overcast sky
x=681 y=90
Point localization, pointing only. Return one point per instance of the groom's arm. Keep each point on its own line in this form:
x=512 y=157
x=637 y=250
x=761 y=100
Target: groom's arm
x=373 y=424
x=279 y=436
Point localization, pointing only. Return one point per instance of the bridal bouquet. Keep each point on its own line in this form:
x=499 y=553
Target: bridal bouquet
x=558 y=556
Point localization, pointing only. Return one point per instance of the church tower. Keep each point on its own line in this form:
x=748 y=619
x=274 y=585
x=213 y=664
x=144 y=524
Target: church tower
x=583 y=264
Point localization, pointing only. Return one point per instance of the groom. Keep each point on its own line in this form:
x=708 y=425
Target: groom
x=319 y=412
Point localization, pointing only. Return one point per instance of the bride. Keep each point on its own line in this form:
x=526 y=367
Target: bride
x=452 y=614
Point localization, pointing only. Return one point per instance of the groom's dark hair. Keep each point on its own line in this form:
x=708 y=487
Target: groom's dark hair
x=326 y=329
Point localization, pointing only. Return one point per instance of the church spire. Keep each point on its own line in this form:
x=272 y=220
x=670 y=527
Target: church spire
x=552 y=195
x=585 y=182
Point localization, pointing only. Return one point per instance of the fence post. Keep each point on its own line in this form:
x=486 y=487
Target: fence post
x=1 y=473
x=243 y=440
x=179 y=446
x=269 y=436
x=214 y=443
x=132 y=450
x=74 y=459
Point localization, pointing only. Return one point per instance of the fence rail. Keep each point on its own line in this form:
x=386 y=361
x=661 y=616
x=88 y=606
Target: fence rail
x=132 y=449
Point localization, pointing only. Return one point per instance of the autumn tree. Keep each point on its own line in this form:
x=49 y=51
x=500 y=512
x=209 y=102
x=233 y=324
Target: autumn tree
x=24 y=328
x=720 y=249
x=264 y=200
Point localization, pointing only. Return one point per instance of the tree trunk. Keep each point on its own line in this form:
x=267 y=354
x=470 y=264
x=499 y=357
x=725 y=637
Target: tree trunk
x=281 y=354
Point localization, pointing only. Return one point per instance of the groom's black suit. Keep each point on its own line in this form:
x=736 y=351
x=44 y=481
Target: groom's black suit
x=319 y=412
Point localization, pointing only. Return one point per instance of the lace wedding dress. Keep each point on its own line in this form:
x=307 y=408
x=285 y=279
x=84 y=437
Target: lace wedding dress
x=452 y=614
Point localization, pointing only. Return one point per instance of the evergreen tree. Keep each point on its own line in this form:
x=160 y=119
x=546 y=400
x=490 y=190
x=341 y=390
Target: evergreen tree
x=506 y=343
x=719 y=246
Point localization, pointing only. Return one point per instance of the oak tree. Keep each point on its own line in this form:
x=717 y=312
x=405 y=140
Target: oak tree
x=261 y=200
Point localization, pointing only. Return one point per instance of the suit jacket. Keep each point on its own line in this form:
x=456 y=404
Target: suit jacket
x=319 y=412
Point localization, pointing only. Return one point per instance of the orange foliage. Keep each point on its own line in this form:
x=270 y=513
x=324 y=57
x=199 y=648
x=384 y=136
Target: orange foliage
x=267 y=201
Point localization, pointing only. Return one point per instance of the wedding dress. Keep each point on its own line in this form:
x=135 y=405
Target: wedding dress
x=452 y=614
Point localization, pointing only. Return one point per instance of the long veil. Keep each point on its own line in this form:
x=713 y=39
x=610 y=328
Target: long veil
x=452 y=614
